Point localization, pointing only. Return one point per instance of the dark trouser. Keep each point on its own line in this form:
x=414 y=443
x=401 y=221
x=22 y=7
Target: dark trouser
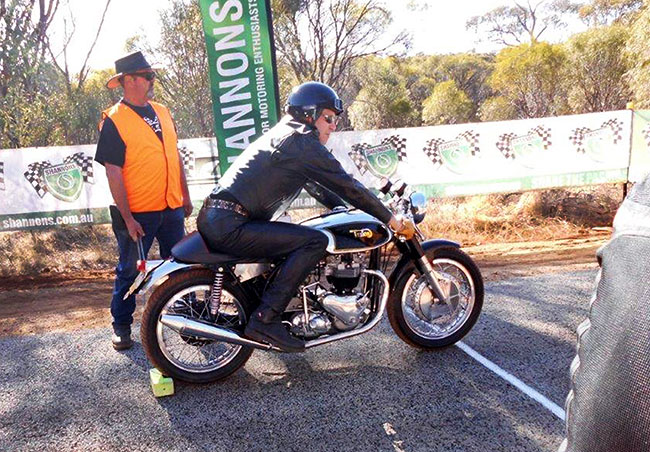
x=168 y=227
x=234 y=234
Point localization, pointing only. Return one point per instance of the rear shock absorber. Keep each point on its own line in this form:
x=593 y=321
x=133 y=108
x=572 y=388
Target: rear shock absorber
x=215 y=296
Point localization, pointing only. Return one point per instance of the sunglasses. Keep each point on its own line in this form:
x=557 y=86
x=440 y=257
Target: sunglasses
x=148 y=76
x=331 y=119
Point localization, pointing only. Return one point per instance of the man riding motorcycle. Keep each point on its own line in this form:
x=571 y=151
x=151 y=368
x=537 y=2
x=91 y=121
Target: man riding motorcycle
x=263 y=181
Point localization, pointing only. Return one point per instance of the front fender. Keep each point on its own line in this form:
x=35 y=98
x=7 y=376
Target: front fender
x=406 y=261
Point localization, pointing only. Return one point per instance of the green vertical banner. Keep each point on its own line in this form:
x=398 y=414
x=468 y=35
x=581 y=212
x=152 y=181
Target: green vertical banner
x=243 y=78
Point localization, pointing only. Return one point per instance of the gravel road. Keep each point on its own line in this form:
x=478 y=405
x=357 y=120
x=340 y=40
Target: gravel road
x=72 y=391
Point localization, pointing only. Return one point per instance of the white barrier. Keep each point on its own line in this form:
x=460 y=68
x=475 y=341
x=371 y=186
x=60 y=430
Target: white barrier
x=45 y=187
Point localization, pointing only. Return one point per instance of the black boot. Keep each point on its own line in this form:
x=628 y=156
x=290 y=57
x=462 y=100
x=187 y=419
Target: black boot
x=265 y=326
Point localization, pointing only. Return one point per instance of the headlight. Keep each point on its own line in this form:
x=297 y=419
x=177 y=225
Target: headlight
x=418 y=206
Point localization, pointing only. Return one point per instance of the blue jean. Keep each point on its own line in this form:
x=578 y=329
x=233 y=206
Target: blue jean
x=167 y=226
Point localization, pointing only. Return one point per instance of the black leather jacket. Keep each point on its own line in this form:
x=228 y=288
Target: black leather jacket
x=273 y=170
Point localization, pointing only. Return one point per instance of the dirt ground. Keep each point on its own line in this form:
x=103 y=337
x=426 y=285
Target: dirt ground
x=68 y=302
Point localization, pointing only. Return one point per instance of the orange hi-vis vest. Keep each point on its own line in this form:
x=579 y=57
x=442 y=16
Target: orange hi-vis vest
x=151 y=171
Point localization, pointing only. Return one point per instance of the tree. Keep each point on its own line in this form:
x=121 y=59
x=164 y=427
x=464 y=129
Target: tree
x=604 y=12
x=597 y=64
x=321 y=39
x=384 y=101
x=638 y=52
x=532 y=77
x=497 y=109
x=524 y=22
x=23 y=33
x=184 y=82
x=447 y=105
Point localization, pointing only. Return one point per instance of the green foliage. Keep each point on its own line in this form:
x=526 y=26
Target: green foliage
x=383 y=101
x=532 y=77
x=638 y=51
x=603 y=12
x=447 y=105
x=497 y=109
x=185 y=81
x=597 y=64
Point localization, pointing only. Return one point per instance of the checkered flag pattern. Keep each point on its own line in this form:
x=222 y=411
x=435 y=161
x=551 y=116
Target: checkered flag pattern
x=431 y=150
x=503 y=144
x=34 y=176
x=646 y=134
x=577 y=137
x=85 y=162
x=617 y=129
x=356 y=154
x=545 y=134
x=187 y=156
x=472 y=138
x=2 y=175
x=399 y=144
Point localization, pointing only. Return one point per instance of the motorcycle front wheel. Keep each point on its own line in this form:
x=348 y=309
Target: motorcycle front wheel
x=422 y=320
x=189 y=358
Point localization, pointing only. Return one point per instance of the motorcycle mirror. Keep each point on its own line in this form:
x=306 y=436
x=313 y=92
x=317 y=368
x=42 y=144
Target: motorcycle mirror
x=418 y=206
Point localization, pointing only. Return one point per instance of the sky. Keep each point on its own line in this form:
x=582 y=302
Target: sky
x=438 y=30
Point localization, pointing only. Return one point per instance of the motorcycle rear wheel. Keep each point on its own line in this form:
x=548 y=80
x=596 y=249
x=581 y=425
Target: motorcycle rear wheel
x=188 y=358
x=424 y=322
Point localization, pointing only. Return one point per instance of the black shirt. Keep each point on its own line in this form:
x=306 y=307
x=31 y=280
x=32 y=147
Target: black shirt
x=110 y=147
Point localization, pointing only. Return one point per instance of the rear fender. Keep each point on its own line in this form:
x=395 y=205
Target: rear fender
x=159 y=271
x=406 y=262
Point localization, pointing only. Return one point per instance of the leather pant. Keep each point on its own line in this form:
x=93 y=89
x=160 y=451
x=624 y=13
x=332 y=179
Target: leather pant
x=228 y=232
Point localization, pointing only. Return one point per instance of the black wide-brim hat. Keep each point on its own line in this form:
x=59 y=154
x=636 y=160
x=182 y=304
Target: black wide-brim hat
x=133 y=62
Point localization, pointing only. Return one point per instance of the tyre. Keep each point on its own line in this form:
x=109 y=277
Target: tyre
x=423 y=321
x=188 y=358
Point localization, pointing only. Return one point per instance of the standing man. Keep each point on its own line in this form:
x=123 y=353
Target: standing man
x=137 y=146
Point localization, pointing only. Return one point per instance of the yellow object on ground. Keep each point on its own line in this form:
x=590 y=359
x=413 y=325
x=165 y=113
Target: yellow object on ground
x=160 y=385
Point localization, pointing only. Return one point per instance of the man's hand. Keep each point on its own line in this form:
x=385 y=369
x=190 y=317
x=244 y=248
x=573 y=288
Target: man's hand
x=187 y=206
x=402 y=226
x=135 y=229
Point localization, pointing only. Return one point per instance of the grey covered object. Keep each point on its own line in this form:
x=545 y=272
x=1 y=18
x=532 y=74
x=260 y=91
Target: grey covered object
x=608 y=407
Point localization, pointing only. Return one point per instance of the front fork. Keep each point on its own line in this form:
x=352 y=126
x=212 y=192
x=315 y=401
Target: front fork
x=422 y=264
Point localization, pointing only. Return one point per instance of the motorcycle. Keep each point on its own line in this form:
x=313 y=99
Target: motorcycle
x=193 y=322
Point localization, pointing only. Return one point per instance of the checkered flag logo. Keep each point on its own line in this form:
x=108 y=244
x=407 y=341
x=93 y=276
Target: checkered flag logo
x=578 y=136
x=399 y=144
x=359 y=158
x=646 y=134
x=188 y=159
x=434 y=147
x=34 y=176
x=506 y=142
x=85 y=162
x=2 y=175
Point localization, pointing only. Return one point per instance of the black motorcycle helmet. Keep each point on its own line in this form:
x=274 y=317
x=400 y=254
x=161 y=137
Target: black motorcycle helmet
x=307 y=101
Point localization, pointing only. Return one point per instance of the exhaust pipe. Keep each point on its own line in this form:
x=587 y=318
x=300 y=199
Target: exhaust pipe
x=189 y=327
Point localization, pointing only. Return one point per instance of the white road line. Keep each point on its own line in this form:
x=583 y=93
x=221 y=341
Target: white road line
x=516 y=382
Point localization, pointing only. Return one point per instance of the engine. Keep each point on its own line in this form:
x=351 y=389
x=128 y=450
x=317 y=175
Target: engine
x=334 y=306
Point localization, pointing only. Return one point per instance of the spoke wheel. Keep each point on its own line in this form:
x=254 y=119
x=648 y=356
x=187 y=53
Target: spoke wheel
x=194 y=354
x=191 y=358
x=431 y=318
x=422 y=320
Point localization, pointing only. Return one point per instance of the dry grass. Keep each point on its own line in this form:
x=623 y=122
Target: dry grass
x=542 y=215
x=520 y=217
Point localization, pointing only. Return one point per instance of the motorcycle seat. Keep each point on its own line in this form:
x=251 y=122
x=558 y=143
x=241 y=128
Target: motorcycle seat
x=192 y=249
